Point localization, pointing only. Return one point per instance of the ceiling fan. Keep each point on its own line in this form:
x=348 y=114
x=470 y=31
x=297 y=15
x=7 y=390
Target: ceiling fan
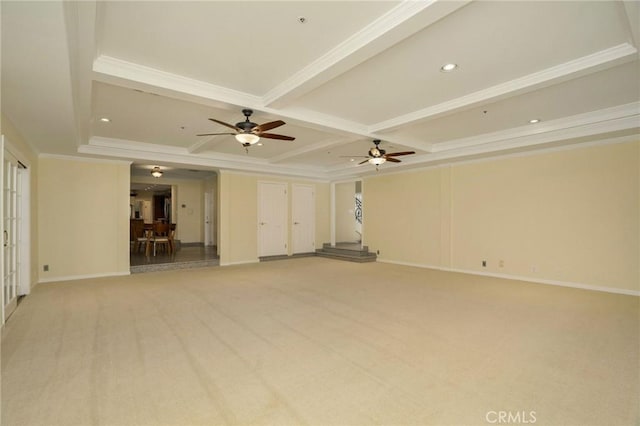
x=249 y=133
x=378 y=155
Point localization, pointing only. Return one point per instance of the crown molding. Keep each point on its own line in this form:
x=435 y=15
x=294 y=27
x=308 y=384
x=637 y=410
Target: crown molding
x=172 y=155
x=84 y=159
x=577 y=67
x=113 y=70
x=577 y=123
x=531 y=141
x=448 y=162
x=566 y=131
x=276 y=176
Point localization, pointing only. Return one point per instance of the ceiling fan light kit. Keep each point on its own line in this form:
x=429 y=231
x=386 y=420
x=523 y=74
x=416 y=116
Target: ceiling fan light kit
x=378 y=156
x=156 y=172
x=249 y=133
x=249 y=138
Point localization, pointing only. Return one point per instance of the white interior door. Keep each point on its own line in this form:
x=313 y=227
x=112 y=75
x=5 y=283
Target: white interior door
x=208 y=218
x=11 y=226
x=303 y=227
x=272 y=218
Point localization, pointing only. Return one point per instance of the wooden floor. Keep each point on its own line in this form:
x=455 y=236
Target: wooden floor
x=314 y=341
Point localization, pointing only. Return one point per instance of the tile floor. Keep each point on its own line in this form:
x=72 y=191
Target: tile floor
x=186 y=257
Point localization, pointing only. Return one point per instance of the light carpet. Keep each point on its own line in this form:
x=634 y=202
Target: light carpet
x=314 y=341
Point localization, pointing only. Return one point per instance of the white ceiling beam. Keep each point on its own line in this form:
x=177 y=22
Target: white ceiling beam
x=622 y=117
x=80 y=21
x=404 y=20
x=598 y=61
x=580 y=130
x=133 y=150
x=128 y=74
x=311 y=148
x=632 y=15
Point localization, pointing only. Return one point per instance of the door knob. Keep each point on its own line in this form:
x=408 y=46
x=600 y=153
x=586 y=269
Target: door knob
x=263 y=223
x=296 y=223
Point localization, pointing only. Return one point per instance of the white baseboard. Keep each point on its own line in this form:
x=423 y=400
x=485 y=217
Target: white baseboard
x=520 y=278
x=82 y=277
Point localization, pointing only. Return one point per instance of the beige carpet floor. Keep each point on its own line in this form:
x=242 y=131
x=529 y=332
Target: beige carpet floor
x=314 y=341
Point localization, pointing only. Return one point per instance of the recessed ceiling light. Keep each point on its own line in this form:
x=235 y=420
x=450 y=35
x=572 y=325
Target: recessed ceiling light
x=534 y=121
x=105 y=120
x=352 y=159
x=448 y=67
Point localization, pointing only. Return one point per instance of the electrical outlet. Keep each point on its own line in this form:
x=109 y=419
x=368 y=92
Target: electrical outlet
x=484 y=263
x=501 y=263
x=45 y=268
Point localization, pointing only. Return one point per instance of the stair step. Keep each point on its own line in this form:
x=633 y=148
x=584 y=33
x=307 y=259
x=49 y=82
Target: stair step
x=357 y=257
x=346 y=246
x=338 y=250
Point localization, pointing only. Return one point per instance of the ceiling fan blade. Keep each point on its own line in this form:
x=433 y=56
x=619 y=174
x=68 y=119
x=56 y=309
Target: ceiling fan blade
x=274 y=136
x=393 y=160
x=225 y=124
x=215 y=134
x=362 y=162
x=267 y=126
x=395 y=154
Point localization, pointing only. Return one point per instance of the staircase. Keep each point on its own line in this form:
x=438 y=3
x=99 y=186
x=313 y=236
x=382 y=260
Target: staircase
x=346 y=251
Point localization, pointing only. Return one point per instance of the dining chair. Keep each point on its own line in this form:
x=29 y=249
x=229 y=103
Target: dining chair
x=161 y=236
x=139 y=236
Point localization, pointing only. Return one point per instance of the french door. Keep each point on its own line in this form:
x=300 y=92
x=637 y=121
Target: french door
x=15 y=263
x=10 y=233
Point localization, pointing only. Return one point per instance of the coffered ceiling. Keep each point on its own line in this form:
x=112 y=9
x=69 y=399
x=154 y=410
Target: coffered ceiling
x=339 y=73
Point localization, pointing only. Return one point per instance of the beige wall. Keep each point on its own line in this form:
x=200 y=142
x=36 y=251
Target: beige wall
x=83 y=218
x=568 y=216
x=190 y=218
x=402 y=216
x=238 y=214
x=20 y=149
